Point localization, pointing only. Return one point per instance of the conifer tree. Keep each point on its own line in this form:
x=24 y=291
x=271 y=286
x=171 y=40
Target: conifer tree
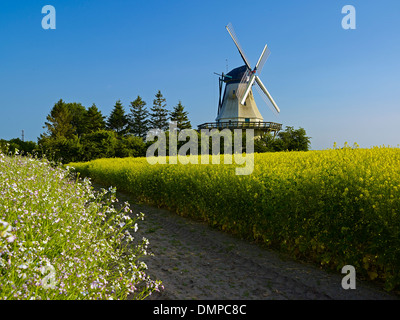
x=159 y=113
x=181 y=117
x=118 y=120
x=95 y=120
x=138 y=118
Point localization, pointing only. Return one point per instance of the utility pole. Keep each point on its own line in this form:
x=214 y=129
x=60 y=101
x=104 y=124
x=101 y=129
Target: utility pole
x=23 y=136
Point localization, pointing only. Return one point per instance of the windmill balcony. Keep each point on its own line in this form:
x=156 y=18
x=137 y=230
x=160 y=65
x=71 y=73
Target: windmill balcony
x=263 y=126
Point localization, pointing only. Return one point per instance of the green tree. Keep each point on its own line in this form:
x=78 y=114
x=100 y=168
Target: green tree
x=159 y=113
x=138 y=118
x=61 y=149
x=65 y=124
x=59 y=121
x=99 y=144
x=181 y=117
x=95 y=120
x=130 y=146
x=264 y=143
x=24 y=147
x=79 y=120
x=66 y=120
x=293 y=140
x=288 y=140
x=118 y=120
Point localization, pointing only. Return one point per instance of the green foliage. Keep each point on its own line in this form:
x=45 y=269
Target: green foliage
x=61 y=149
x=94 y=120
x=79 y=118
x=118 y=120
x=76 y=134
x=95 y=145
x=181 y=117
x=289 y=140
x=59 y=121
x=138 y=118
x=266 y=143
x=99 y=144
x=159 y=113
x=66 y=120
x=293 y=140
x=18 y=146
x=130 y=146
x=333 y=207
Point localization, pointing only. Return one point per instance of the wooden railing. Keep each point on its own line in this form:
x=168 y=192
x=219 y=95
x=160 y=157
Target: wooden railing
x=268 y=126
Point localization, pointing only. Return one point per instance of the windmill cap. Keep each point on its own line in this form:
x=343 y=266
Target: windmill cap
x=236 y=74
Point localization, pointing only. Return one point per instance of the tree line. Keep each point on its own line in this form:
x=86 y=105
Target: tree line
x=76 y=133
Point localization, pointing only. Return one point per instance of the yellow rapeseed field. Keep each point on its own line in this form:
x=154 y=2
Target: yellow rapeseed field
x=333 y=207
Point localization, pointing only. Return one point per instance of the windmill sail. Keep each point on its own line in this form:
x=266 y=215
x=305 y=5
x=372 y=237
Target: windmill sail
x=250 y=75
x=265 y=94
x=263 y=58
x=242 y=87
x=248 y=88
x=231 y=31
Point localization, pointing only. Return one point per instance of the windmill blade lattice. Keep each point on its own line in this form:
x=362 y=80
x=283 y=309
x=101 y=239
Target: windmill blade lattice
x=231 y=31
x=266 y=95
x=250 y=75
x=263 y=58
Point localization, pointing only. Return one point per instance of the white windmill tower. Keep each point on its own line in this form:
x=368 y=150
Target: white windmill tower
x=237 y=107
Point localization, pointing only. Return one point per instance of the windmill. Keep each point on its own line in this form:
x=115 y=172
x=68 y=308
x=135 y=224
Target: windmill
x=236 y=105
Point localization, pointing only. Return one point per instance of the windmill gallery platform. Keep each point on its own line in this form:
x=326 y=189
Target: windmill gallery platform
x=258 y=127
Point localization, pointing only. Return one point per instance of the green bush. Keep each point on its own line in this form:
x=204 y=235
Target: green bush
x=13 y=145
x=99 y=144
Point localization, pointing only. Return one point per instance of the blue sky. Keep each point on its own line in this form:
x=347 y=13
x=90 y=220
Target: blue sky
x=339 y=85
